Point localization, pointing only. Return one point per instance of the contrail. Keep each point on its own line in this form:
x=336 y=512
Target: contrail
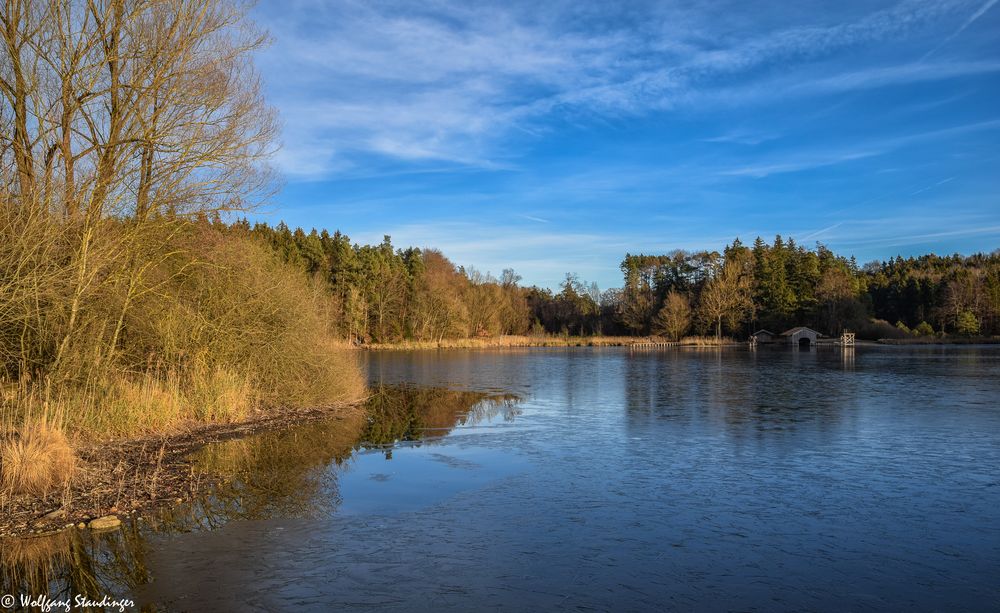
x=924 y=189
x=968 y=22
x=824 y=230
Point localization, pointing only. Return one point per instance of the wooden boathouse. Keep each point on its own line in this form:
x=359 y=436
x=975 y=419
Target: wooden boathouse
x=800 y=336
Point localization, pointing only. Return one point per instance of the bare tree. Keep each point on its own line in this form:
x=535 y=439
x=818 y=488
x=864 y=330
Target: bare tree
x=727 y=297
x=121 y=117
x=674 y=318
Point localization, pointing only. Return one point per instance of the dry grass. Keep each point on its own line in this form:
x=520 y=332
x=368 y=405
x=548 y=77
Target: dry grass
x=707 y=341
x=120 y=405
x=551 y=341
x=222 y=396
x=151 y=402
x=515 y=341
x=38 y=460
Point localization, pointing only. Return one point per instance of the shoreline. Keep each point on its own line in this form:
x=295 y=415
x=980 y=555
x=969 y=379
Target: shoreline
x=511 y=342
x=136 y=476
x=972 y=340
x=506 y=342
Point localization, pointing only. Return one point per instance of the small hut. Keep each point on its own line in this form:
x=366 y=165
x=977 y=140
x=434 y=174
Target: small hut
x=800 y=336
x=764 y=336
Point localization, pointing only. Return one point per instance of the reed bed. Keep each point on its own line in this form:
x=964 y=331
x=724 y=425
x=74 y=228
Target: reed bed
x=548 y=341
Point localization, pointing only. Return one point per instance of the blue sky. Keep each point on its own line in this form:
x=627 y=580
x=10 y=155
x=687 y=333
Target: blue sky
x=554 y=137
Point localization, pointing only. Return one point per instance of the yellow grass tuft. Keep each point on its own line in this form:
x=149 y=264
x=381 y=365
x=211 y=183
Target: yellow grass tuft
x=222 y=396
x=36 y=460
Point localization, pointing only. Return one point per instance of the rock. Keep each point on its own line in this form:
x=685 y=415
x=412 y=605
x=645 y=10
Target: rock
x=108 y=522
x=81 y=525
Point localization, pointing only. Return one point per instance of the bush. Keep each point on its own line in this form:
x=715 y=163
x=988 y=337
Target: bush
x=967 y=324
x=209 y=328
x=923 y=329
x=875 y=329
x=239 y=313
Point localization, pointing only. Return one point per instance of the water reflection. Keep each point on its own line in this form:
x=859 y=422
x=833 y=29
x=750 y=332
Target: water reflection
x=408 y=413
x=296 y=472
x=288 y=473
x=74 y=562
x=743 y=392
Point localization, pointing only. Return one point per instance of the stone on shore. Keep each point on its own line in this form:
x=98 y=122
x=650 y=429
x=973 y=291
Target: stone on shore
x=108 y=522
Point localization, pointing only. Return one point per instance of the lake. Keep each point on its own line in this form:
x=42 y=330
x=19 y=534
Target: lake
x=591 y=479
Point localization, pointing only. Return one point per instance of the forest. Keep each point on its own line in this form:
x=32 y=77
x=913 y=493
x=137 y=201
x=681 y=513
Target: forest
x=384 y=294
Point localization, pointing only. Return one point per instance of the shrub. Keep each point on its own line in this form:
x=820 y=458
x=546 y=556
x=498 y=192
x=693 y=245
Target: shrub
x=875 y=329
x=923 y=329
x=216 y=326
x=967 y=324
x=239 y=312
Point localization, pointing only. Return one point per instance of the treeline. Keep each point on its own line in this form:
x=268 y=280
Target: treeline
x=386 y=294
x=780 y=285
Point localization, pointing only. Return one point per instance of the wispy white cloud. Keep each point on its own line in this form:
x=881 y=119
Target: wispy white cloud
x=742 y=137
x=795 y=161
x=883 y=76
x=527 y=250
x=533 y=218
x=453 y=82
x=798 y=162
x=921 y=236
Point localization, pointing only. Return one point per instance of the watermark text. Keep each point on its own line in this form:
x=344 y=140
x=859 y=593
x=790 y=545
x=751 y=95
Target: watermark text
x=47 y=604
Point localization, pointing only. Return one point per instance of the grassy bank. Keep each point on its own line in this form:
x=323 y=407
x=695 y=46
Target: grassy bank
x=139 y=474
x=507 y=341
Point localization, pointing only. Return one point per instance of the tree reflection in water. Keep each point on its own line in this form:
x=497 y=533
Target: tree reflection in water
x=405 y=413
x=287 y=473
x=74 y=562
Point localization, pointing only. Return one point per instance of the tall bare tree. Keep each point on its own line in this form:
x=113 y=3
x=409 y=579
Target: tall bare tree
x=727 y=296
x=120 y=117
x=674 y=318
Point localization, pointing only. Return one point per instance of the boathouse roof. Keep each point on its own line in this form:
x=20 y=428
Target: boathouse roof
x=798 y=329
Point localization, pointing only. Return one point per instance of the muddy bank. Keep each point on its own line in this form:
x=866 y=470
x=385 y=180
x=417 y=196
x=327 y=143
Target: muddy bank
x=126 y=478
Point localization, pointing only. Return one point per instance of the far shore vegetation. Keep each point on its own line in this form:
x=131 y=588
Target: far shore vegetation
x=135 y=300
x=406 y=297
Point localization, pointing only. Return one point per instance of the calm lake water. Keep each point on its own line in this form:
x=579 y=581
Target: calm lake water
x=592 y=479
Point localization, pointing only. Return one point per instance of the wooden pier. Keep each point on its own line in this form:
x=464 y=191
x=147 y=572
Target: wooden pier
x=653 y=344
